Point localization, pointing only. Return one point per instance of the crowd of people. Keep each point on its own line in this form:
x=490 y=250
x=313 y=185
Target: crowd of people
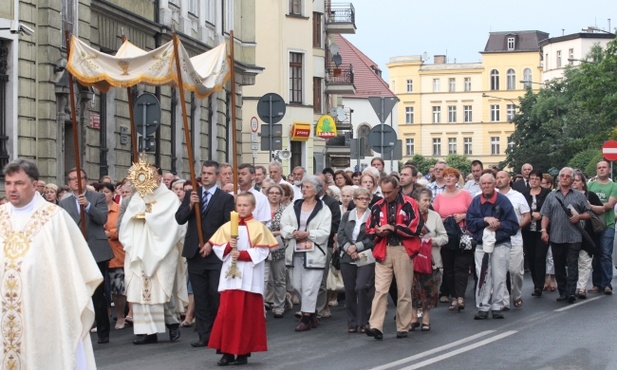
x=169 y=257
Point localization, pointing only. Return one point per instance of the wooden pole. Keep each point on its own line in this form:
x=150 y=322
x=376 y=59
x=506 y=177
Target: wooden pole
x=187 y=135
x=82 y=213
x=234 y=142
x=134 y=147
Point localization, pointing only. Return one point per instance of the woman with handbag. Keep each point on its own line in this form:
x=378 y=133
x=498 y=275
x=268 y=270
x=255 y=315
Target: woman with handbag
x=585 y=256
x=454 y=202
x=425 y=292
x=535 y=249
x=276 y=272
x=358 y=276
x=305 y=225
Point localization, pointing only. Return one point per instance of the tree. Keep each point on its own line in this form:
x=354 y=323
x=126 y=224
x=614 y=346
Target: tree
x=422 y=163
x=460 y=162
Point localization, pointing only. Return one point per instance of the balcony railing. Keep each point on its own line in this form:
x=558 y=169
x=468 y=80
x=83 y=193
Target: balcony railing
x=339 y=80
x=341 y=18
x=341 y=139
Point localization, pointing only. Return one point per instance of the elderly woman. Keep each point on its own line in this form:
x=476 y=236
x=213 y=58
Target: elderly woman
x=425 y=292
x=369 y=182
x=306 y=228
x=177 y=186
x=116 y=264
x=454 y=202
x=51 y=193
x=359 y=281
x=275 y=264
x=347 y=203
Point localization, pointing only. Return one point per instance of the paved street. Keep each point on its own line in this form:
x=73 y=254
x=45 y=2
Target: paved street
x=543 y=334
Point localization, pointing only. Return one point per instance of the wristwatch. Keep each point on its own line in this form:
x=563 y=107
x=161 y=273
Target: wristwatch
x=543 y=230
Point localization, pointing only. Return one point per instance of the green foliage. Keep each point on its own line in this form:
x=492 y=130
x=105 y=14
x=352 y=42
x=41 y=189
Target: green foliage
x=460 y=162
x=585 y=160
x=568 y=117
x=422 y=163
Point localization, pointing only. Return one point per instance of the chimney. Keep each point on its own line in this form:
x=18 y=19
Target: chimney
x=439 y=59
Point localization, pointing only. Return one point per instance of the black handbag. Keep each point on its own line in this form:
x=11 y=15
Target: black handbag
x=454 y=233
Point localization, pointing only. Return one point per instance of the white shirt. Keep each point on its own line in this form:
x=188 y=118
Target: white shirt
x=262 y=210
x=519 y=203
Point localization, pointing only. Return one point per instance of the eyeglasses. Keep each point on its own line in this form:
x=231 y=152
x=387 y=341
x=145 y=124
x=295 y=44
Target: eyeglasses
x=274 y=193
x=365 y=199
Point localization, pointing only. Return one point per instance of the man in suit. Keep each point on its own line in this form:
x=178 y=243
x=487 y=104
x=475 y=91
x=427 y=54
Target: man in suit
x=523 y=185
x=95 y=208
x=203 y=265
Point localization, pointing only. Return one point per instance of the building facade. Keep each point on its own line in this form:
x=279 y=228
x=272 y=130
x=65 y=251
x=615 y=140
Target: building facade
x=465 y=108
x=35 y=113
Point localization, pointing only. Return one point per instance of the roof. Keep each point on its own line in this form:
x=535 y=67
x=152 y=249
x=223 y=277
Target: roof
x=580 y=35
x=525 y=41
x=451 y=66
x=367 y=74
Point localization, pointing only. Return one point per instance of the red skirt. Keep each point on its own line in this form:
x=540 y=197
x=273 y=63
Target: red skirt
x=240 y=325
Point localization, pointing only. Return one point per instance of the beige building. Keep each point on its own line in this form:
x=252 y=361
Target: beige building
x=34 y=104
x=293 y=46
x=465 y=108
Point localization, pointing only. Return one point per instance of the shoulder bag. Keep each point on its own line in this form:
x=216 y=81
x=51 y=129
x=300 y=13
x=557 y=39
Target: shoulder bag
x=423 y=261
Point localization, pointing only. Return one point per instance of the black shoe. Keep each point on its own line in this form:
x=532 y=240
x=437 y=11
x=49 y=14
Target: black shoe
x=481 y=315
x=146 y=339
x=375 y=333
x=562 y=298
x=226 y=360
x=174 y=332
x=571 y=298
x=537 y=293
x=241 y=360
x=202 y=342
x=401 y=334
x=498 y=315
x=103 y=340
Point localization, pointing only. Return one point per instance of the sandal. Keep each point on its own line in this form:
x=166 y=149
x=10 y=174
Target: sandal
x=352 y=330
x=461 y=304
x=518 y=303
x=454 y=305
x=414 y=325
x=425 y=327
x=443 y=299
x=362 y=329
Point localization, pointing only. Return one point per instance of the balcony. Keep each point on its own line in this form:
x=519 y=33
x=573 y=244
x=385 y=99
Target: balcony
x=339 y=80
x=341 y=19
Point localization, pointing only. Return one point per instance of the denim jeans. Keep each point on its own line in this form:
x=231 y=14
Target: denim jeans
x=603 y=261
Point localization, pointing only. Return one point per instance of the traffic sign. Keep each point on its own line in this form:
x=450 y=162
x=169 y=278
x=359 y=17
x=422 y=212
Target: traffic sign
x=147 y=114
x=389 y=138
x=382 y=106
x=271 y=108
x=254 y=124
x=609 y=150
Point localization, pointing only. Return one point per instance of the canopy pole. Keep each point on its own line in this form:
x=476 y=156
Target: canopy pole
x=234 y=142
x=134 y=147
x=187 y=135
x=82 y=213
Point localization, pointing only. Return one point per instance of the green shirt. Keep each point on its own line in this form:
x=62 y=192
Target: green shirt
x=604 y=192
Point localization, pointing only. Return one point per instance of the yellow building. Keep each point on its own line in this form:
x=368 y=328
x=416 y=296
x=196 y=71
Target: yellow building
x=465 y=108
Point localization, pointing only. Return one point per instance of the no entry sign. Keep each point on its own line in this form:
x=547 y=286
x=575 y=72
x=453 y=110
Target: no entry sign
x=609 y=150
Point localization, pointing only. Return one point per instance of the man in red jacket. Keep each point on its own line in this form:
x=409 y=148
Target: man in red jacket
x=394 y=223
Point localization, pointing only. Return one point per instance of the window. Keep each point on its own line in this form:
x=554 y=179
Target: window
x=495 y=145
x=408 y=115
x=511 y=79
x=317 y=94
x=295 y=78
x=436 y=147
x=193 y=7
x=452 y=85
x=570 y=56
x=210 y=12
x=436 y=114
x=510 y=112
x=467 y=146
x=409 y=85
x=452 y=145
x=494 y=79
x=511 y=43
x=452 y=113
x=546 y=61
x=317 y=30
x=435 y=85
x=558 y=58
x=494 y=112
x=510 y=142
x=527 y=78
x=467 y=83
x=68 y=19
x=228 y=15
x=410 y=147
x=467 y=113
x=295 y=7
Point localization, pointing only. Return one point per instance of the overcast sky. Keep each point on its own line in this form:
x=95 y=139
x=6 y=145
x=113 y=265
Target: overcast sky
x=459 y=29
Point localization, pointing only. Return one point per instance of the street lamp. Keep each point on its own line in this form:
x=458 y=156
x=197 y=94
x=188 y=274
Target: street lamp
x=514 y=105
x=527 y=84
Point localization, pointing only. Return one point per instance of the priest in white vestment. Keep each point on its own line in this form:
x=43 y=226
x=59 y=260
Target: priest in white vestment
x=48 y=276
x=155 y=274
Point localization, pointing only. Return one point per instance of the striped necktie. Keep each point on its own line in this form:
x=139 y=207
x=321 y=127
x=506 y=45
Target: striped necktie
x=206 y=200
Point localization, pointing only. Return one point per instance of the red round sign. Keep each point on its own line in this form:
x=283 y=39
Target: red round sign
x=609 y=150
x=254 y=124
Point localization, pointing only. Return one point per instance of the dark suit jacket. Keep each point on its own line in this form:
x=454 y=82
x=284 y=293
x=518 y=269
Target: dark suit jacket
x=335 y=209
x=96 y=217
x=520 y=186
x=217 y=213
